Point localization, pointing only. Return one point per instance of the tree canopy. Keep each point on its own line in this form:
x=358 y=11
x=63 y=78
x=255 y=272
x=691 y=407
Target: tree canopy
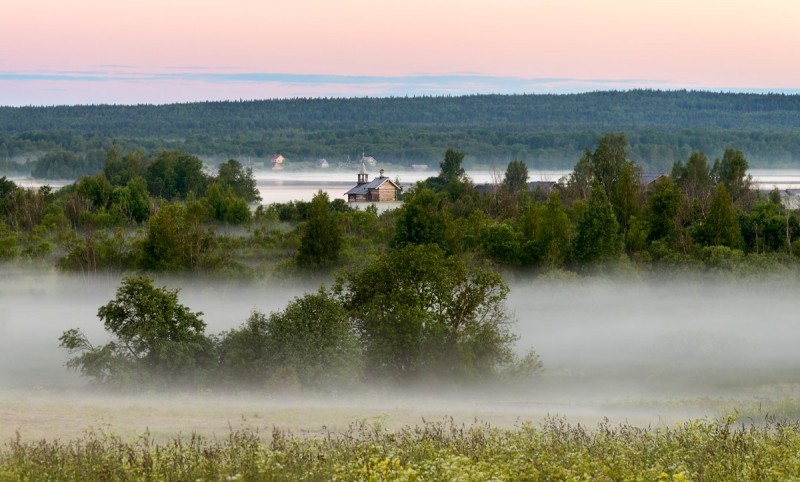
x=156 y=340
x=422 y=314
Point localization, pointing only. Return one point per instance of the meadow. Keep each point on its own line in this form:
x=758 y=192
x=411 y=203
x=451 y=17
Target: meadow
x=680 y=379
x=439 y=450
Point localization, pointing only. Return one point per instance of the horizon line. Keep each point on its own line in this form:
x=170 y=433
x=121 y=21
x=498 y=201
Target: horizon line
x=722 y=91
x=122 y=87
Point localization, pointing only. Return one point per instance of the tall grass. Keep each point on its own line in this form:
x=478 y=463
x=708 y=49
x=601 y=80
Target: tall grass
x=443 y=450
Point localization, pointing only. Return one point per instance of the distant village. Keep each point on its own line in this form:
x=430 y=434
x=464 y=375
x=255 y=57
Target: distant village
x=278 y=160
x=383 y=189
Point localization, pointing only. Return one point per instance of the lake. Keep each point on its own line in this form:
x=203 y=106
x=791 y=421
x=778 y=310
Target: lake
x=285 y=186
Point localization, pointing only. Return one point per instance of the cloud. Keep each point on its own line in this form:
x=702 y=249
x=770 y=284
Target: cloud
x=124 y=84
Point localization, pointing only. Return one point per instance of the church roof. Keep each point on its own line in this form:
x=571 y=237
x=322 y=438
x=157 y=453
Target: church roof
x=373 y=184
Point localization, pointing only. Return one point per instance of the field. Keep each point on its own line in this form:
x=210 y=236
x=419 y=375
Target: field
x=670 y=380
x=76 y=437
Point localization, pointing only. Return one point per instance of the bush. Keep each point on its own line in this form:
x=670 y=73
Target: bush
x=156 y=340
x=310 y=342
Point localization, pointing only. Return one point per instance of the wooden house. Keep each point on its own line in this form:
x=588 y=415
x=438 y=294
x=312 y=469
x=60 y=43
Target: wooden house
x=277 y=162
x=368 y=160
x=380 y=189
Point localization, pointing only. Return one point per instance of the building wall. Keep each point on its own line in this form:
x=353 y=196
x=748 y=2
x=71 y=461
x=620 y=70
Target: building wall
x=354 y=198
x=386 y=192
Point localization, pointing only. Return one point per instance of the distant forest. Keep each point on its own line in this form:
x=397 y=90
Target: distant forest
x=544 y=131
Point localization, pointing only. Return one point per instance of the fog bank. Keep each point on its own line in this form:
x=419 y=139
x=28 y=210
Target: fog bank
x=598 y=339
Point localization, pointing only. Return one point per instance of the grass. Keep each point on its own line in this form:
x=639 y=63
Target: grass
x=47 y=435
x=443 y=450
x=50 y=414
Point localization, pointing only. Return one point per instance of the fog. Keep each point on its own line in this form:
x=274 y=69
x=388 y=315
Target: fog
x=609 y=348
x=695 y=337
x=661 y=338
x=36 y=306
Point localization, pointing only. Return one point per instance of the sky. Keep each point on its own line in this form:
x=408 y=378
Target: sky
x=55 y=52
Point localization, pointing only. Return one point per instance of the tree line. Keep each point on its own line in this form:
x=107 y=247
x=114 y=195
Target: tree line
x=435 y=320
x=416 y=291
x=544 y=131
x=165 y=213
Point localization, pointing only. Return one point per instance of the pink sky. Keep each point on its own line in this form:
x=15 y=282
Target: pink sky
x=84 y=51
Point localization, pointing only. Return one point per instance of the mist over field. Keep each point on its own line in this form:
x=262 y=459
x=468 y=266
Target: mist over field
x=598 y=339
x=36 y=306
x=605 y=339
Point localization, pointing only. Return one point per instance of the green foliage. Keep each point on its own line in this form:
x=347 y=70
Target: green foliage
x=130 y=203
x=694 y=179
x=97 y=252
x=663 y=203
x=553 y=450
x=721 y=258
x=8 y=243
x=63 y=164
x=450 y=167
x=512 y=229
x=7 y=188
x=97 y=190
x=311 y=338
x=597 y=239
x=609 y=160
x=156 y=340
x=240 y=180
x=732 y=172
x=768 y=228
x=501 y=243
x=516 y=176
x=225 y=206
x=625 y=195
x=321 y=238
x=421 y=314
x=721 y=227
x=420 y=220
x=175 y=240
x=524 y=368
x=176 y=175
x=608 y=168
x=292 y=211
x=580 y=180
x=549 y=130
x=120 y=171
x=553 y=238
x=24 y=208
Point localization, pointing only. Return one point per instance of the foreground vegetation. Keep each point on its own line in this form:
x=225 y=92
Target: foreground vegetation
x=698 y=450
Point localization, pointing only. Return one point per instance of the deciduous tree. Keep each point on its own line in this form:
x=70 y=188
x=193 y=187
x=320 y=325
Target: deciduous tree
x=732 y=172
x=156 y=340
x=240 y=179
x=516 y=176
x=321 y=239
x=311 y=339
x=597 y=239
x=422 y=314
